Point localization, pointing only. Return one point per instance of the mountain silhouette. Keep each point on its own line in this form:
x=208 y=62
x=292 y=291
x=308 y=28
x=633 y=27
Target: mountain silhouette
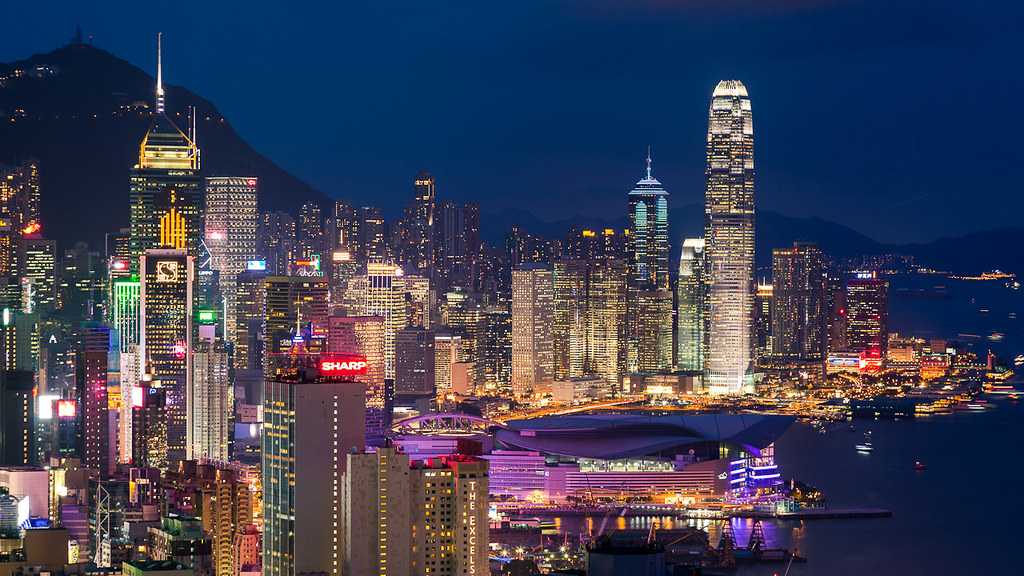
x=82 y=112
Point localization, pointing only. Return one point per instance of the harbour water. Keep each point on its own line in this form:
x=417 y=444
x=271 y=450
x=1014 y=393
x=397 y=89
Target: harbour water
x=960 y=515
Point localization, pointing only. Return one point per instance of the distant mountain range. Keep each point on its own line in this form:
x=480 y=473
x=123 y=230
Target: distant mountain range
x=975 y=252
x=82 y=112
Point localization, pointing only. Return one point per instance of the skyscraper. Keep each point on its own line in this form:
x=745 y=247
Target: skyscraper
x=385 y=298
x=311 y=422
x=37 y=269
x=293 y=303
x=97 y=448
x=372 y=239
x=231 y=219
x=211 y=403
x=690 y=307
x=165 y=351
x=19 y=208
x=364 y=336
x=867 y=314
x=589 y=329
x=414 y=361
x=729 y=239
x=418 y=252
x=799 y=312
x=275 y=241
x=378 y=504
x=166 y=191
x=250 y=310
x=449 y=516
x=533 y=357
x=650 y=297
x=311 y=232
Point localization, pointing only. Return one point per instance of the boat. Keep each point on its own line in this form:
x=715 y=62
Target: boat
x=919 y=466
x=866 y=446
x=996 y=336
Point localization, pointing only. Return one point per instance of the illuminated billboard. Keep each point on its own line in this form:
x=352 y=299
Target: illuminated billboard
x=66 y=409
x=258 y=265
x=343 y=365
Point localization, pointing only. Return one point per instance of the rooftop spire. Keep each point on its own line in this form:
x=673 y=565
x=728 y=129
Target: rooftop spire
x=159 y=76
x=648 y=161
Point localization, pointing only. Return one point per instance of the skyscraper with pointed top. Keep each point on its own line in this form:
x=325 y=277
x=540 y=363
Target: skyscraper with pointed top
x=166 y=191
x=650 y=302
x=729 y=240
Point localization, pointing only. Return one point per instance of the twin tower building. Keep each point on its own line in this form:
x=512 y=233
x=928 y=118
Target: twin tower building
x=715 y=289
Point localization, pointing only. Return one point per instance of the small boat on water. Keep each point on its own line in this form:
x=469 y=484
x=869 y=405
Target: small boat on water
x=920 y=466
x=866 y=446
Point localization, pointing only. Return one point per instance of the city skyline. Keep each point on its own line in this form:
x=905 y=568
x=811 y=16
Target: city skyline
x=816 y=189
x=247 y=378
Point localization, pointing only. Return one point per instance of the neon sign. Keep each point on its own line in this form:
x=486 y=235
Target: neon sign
x=344 y=365
x=256 y=265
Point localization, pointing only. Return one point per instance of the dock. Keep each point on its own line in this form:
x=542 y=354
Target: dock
x=818 y=514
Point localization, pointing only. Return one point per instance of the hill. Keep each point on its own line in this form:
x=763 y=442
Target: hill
x=82 y=112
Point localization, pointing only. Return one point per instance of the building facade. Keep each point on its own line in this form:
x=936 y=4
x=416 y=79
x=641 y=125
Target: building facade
x=729 y=240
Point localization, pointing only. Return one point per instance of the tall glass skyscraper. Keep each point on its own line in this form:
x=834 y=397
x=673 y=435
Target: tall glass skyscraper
x=690 y=307
x=650 y=339
x=729 y=239
x=166 y=191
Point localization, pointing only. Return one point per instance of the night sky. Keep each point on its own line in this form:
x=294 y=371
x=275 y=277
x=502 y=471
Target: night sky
x=901 y=119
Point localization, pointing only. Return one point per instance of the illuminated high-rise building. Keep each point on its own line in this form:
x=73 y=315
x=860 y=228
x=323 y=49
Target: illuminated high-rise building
x=417 y=251
x=293 y=304
x=37 y=269
x=533 y=355
x=17 y=409
x=606 y=344
x=450 y=531
x=311 y=232
x=414 y=362
x=364 y=336
x=729 y=240
x=310 y=423
x=91 y=365
x=276 y=241
x=372 y=240
x=211 y=401
x=165 y=350
x=19 y=209
x=166 y=191
x=385 y=298
x=589 y=321
x=867 y=314
x=378 y=508
x=447 y=353
x=494 y=351
x=81 y=285
x=690 y=307
x=462 y=314
x=650 y=342
x=231 y=220
x=419 y=299
x=799 y=312
x=764 y=304
x=124 y=311
x=250 y=313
